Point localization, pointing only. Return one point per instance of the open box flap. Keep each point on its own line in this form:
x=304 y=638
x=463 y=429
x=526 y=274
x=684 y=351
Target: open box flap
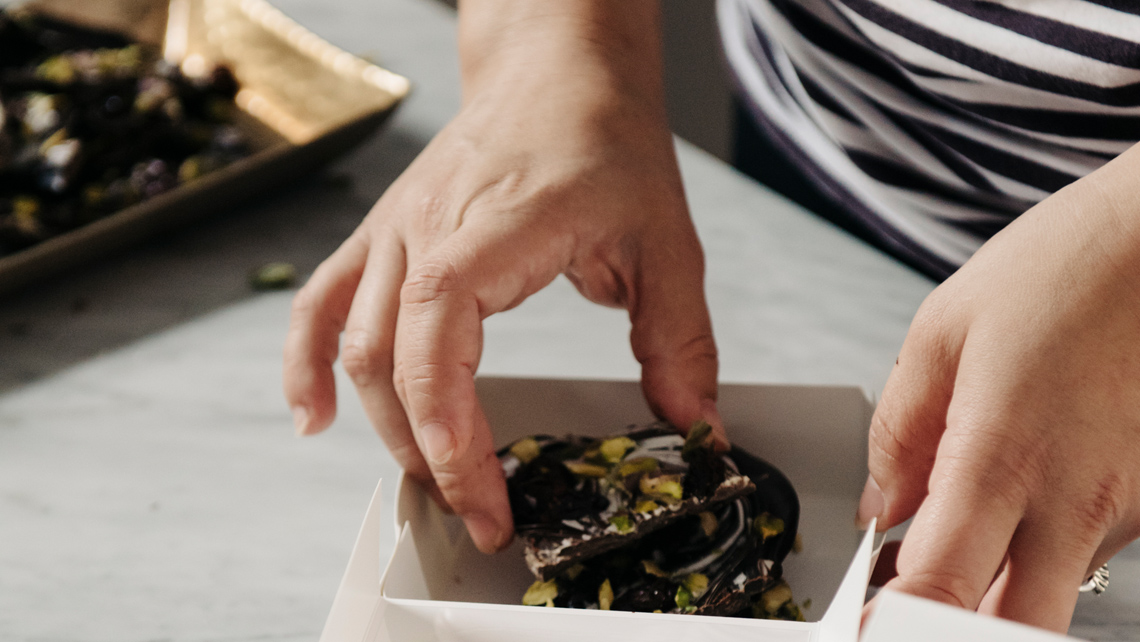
x=358 y=608
x=899 y=617
x=843 y=617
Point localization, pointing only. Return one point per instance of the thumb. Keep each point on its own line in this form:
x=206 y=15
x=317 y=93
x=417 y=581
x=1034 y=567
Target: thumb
x=672 y=338
x=908 y=425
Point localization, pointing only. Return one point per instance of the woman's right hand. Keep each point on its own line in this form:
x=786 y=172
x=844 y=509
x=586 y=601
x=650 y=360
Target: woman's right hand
x=560 y=162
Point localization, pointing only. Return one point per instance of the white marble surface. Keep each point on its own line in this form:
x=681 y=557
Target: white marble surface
x=150 y=485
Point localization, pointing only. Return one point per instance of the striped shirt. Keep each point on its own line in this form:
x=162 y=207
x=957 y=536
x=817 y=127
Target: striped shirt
x=936 y=122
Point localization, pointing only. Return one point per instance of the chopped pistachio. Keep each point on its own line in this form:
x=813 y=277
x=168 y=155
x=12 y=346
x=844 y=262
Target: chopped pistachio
x=57 y=69
x=767 y=525
x=652 y=568
x=697 y=583
x=806 y=604
x=798 y=544
x=791 y=612
x=615 y=449
x=525 y=450
x=273 y=276
x=191 y=169
x=708 y=523
x=637 y=465
x=541 y=593
x=25 y=212
x=605 y=595
x=663 y=486
x=646 y=506
x=622 y=522
x=93 y=195
x=582 y=469
x=682 y=597
x=656 y=610
x=573 y=572
x=698 y=435
x=775 y=597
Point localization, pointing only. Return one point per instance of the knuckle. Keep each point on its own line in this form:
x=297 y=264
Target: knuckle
x=363 y=357
x=428 y=281
x=1106 y=506
x=943 y=585
x=930 y=321
x=995 y=459
x=887 y=443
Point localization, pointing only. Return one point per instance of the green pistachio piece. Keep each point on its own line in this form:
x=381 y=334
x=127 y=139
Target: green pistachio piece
x=525 y=450
x=646 y=506
x=697 y=583
x=541 y=593
x=273 y=276
x=682 y=597
x=775 y=597
x=667 y=487
x=622 y=522
x=57 y=69
x=709 y=523
x=767 y=525
x=573 y=572
x=798 y=545
x=698 y=435
x=582 y=469
x=605 y=595
x=791 y=613
x=614 y=449
x=652 y=568
x=638 y=465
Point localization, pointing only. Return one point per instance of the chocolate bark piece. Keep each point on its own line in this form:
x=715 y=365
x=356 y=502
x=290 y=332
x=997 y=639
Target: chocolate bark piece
x=714 y=563
x=576 y=498
x=91 y=123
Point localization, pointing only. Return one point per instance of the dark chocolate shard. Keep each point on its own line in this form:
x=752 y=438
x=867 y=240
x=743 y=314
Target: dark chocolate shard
x=576 y=498
x=714 y=555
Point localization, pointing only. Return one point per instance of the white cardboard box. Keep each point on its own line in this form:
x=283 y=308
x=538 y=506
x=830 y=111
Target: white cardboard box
x=437 y=587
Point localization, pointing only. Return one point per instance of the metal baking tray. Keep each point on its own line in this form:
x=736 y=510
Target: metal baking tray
x=302 y=103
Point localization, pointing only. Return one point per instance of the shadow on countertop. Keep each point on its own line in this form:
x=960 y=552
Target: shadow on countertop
x=189 y=272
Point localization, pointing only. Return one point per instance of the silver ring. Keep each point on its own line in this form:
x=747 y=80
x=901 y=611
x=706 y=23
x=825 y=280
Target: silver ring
x=1098 y=582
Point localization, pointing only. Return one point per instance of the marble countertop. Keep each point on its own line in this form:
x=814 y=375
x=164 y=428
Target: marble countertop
x=150 y=484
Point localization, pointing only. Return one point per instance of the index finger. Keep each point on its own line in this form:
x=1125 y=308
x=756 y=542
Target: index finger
x=439 y=338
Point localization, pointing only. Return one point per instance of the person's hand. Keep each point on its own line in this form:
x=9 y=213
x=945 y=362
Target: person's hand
x=1011 y=422
x=540 y=174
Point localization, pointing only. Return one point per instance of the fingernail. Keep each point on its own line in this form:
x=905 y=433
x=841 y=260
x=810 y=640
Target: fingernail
x=301 y=420
x=485 y=532
x=712 y=417
x=438 y=443
x=871 y=504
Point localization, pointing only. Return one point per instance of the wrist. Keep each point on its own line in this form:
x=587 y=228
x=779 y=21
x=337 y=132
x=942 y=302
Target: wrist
x=588 y=54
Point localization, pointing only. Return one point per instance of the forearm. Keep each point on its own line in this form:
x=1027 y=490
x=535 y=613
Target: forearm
x=577 y=51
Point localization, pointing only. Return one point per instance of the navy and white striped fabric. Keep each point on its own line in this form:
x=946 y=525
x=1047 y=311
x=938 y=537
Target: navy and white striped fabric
x=936 y=122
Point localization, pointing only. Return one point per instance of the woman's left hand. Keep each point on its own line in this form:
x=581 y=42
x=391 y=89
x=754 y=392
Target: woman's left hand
x=1010 y=426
